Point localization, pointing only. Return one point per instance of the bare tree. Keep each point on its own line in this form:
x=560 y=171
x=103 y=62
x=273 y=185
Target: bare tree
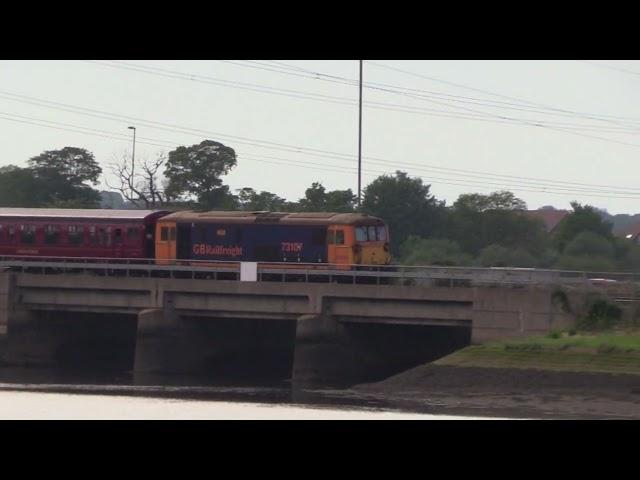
x=139 y=181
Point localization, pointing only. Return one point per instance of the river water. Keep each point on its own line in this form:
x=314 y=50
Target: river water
x=20 y=405
x=41 y=394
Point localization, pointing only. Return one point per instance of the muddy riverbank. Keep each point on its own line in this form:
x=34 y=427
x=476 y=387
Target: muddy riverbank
x=510 y=392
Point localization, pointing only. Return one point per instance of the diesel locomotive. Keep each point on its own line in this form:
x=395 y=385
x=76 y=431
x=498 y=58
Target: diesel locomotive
x=343 y=239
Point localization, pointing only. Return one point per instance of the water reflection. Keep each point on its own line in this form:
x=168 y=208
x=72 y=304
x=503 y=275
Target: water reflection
x=185 y=387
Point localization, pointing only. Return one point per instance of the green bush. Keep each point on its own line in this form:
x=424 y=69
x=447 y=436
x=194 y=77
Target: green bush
x=500 y=256
x=585 y=263
x=422 y=251
x=560 y=299
x=601 y=315
x=589 y=244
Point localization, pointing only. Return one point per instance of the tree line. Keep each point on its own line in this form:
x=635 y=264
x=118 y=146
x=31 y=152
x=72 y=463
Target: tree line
x=489 y=230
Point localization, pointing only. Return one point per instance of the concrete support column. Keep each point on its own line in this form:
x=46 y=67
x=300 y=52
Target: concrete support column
x=5 y=307
x=29 y=343
x=212 y=347
x=329 y=351
x=165 y=344
x=324 y=353
x=72 y=340
x=5 y=301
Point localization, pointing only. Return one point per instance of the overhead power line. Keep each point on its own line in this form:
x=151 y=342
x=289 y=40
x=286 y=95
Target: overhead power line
x=572 y=129
x=303 y=150
x=610 y=67
x=517 y=186
x=600 y=117
x=410 y=93
x=523 y=105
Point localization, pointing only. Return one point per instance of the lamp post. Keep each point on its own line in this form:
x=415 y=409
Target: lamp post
x=133 y=154
x=360 y=140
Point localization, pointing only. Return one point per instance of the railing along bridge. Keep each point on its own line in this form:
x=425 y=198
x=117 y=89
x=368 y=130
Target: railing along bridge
x=312 y=272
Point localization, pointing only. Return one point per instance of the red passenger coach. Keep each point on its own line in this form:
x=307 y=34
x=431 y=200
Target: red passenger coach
x=48 y=232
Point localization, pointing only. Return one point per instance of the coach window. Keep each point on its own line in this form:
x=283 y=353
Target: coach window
x=172 y=234
x=11 y=233
x=331 y=237
x=1 y=233
x=361 y=234
x=51 y=234
x=27 y=234
x=164 y=234
x=133 y=234
x=93 y=238
x=339 y=237
x=74 y=235
x=118 y=236
x=104 y=236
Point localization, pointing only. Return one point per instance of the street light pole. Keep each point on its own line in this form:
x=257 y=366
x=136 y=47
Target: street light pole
x=360 y=142
x=133 y=154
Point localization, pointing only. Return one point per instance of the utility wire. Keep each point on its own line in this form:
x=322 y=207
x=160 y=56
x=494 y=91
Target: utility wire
x=528 y=107
x=576 y=113
x=306 y=151
x=379 y=105
x=325 y=167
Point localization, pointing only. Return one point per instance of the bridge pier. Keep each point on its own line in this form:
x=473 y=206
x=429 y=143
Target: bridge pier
x=73 y=340
x=215 y=348
x=334 y=350
x=323 y=352
x=5 y=306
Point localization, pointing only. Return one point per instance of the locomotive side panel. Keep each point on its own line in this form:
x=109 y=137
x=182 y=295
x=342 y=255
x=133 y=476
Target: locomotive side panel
x=259 y=243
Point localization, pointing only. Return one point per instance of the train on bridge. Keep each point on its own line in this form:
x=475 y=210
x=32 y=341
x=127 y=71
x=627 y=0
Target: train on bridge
x=343 y=239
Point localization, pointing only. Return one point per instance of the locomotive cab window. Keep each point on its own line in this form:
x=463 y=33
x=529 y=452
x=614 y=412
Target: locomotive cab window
x=372 y=234
x=339 y=237
x=382 y=234
x=361 y=234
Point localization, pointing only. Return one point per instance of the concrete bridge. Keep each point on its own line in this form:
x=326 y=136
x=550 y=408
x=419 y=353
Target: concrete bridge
x=304 y=331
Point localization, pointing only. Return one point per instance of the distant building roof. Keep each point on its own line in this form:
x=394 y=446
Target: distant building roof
x=632 y=232
x=551 y=218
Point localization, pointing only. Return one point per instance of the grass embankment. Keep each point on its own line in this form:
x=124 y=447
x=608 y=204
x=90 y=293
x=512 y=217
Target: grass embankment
x=611 y=352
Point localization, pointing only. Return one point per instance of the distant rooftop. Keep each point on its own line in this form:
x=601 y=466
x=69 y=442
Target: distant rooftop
x=632 y=232
x=551 y=218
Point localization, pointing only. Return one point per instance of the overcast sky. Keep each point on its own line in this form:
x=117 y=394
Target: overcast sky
x=550 y=131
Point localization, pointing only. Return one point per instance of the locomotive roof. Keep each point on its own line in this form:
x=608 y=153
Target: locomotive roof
x=77 y=213
x=301 y=218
